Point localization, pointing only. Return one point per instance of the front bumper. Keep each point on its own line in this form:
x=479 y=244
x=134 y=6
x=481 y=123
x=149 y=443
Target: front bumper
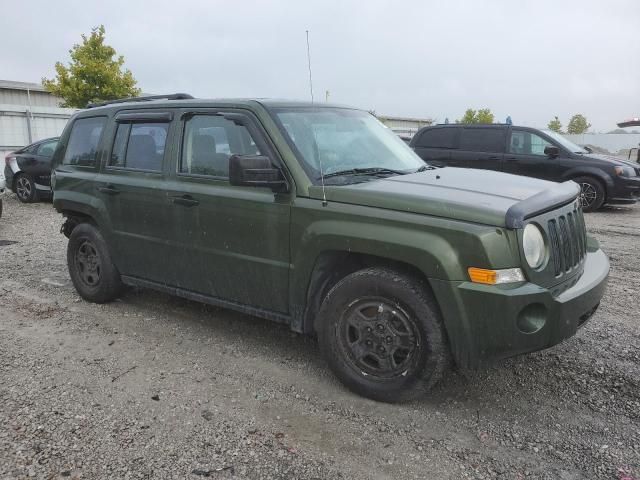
x=626 y=190
x=486 y=322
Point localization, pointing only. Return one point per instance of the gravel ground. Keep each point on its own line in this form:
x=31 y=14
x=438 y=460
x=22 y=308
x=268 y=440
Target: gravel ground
x=152 y=386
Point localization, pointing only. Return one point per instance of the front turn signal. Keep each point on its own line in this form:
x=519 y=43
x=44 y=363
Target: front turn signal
x=494 y=277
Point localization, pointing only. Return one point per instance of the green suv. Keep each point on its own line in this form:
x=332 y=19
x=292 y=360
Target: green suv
x=319 y=217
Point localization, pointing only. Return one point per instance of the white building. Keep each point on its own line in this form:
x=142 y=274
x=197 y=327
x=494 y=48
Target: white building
x=404 y=126
x=27 y=114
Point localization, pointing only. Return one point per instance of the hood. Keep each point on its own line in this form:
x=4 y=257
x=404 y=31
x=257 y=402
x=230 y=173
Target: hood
x=610 y=159
x=479 y=196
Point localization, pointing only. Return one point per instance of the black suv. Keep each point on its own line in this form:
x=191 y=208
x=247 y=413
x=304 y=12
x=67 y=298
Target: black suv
x=534 y=153
x=28 y=170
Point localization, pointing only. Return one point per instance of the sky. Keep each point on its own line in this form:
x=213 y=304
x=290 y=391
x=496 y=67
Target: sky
x=528 y=59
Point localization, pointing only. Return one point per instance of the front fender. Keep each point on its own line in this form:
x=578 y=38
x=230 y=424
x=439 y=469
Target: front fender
x=588 y=172
x=439 y=248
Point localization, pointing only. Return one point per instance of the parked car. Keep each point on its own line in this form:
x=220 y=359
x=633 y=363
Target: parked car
x=28 y=170
x=319 y=217
x=2 y=189
x=533 y=153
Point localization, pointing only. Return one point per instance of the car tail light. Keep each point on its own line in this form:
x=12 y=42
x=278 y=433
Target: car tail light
x=7 y=159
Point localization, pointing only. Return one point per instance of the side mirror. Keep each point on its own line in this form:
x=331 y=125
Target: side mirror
x=255 y=171
x=551 y=151
x=588 y=149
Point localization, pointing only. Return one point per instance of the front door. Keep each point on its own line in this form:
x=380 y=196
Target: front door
x=525 y=156
x=229 y=242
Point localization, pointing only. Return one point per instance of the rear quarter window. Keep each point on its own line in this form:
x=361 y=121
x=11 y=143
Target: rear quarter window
x=437 y=138
x=82 y=147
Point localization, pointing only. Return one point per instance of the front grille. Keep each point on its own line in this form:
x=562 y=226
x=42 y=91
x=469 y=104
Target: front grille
x=567 y=241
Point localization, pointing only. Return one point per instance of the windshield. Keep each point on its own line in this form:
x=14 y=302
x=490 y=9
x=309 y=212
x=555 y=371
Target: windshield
x=568 y=144
x=337 y=139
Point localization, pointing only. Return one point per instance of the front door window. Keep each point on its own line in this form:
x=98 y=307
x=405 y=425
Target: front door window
x=527 y=143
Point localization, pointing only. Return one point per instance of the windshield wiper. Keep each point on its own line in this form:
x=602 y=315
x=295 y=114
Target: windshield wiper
x=365 y=171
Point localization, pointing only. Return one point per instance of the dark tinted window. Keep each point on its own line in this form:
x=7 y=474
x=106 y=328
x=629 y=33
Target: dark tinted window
x=209 y=141
x=46 y=149
x=83 y=141
x=437 y=138
x=139 y=146
x=482 y=140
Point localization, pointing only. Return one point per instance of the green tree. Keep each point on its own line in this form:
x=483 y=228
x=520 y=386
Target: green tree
x=555 y=125
x=472 y=116
x=484 y=115
x=94 y=74
x=578 y=124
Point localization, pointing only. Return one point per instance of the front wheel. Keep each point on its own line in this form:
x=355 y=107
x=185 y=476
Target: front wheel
x=92 y=272
x=26 y=189
x=381 y=333
x=592 y=193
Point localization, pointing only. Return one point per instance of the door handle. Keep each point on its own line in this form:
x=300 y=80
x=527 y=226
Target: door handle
x=494 y=157
x=511 y=159
x=184 y=200
x=109 y=190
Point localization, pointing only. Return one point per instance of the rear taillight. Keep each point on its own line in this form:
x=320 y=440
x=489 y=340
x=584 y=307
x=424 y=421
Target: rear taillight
x=7 y=159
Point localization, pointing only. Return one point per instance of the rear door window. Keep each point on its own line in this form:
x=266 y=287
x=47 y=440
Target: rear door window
x=490 y=140
x=437 y=138
x=139 y=146
x=82 y=147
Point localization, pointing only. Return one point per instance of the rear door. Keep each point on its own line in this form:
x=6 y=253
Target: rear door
x=525 y=156
x=434 y=145
x=480 y=147
x=132 y=186
x=230 y=242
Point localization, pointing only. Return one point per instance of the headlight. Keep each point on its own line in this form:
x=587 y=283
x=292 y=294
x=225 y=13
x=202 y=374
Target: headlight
x=533 y=245
x=625 y=171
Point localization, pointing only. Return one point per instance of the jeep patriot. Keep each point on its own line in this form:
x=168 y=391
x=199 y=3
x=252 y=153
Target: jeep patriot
x=319 y=217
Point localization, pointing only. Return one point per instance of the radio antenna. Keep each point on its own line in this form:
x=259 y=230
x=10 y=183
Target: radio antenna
x=324 y=193
x=309 y=63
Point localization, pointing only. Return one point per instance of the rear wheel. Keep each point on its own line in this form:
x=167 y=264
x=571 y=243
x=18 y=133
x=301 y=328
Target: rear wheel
x=26 y=188
x=92 y=271
x=381 y=334
x=592 y=193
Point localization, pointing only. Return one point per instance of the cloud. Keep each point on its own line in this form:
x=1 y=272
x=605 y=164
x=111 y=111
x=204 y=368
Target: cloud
x=528 y=59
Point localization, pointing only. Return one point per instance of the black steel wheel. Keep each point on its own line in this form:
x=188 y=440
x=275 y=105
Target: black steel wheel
x=92 y=271
x=381 y=334
x=88 y=264
x=25 y=188
x=378 y=338
x=592 y=193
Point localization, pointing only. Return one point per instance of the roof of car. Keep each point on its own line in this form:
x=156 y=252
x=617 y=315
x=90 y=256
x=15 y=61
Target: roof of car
x=237 y=102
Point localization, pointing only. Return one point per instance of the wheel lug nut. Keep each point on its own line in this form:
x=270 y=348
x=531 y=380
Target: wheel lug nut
x=381 y=349
x=389 y=339
x=380 y=327
x=369 y=329
x=369 y=343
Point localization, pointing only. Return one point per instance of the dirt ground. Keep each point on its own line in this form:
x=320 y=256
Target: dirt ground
x=152 y=386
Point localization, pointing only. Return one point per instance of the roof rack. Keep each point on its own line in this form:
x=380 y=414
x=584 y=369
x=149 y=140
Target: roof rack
x=172 y=96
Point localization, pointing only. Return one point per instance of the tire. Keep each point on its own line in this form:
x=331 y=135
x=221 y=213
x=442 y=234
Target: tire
x=92 y=271
x=592 y=193
x=25 y=188
x=380 y=332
